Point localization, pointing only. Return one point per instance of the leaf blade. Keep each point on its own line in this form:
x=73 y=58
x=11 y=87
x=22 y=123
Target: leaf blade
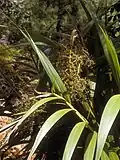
x=109 y=114
x=46 y=127
x=33 y=108
x=113 y=156
x=111 y=54
x=50 y=70
x=72 y=140
x=104 y=156
x=89 y=153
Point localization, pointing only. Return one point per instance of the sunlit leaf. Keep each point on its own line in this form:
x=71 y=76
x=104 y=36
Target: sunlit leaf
x=111 y=55
x=73 y=140
x=71 y=106
x=50 y=70
x=108 y=117
x=34 y=108
x=89 y=153
x=113 y=156
x=49 y=123
x=28 y=43
x=104 y=156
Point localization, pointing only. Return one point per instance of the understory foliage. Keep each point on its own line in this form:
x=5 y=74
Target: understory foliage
x=60 y=79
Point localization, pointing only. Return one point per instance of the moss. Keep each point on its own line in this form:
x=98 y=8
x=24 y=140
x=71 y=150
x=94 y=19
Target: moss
x=7 y=52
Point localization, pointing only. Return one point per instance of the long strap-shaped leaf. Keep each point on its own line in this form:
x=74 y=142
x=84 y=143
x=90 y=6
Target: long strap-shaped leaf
x=113 y=156
x=49 y=123
x=89 y=153
x=50 y=70
x=73 y=140
x=111 y=54
x=88 y=14
x=32 y=109
x=109 y=114
x=70 y=105
x=104 y=156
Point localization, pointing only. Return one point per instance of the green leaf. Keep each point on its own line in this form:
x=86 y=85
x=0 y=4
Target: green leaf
x=111 y=54
x=113 y=156
x=88 y=14
x=49 y=123
x=32 y=109
x=70 y=105
x=88 y=27
x=28 y=43
x=50 y=70
x=108 y=117
x=89 y=153
x=73 y=140
x=104 y=156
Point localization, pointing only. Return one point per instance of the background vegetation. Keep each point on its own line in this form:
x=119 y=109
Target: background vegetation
x=60 y=79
